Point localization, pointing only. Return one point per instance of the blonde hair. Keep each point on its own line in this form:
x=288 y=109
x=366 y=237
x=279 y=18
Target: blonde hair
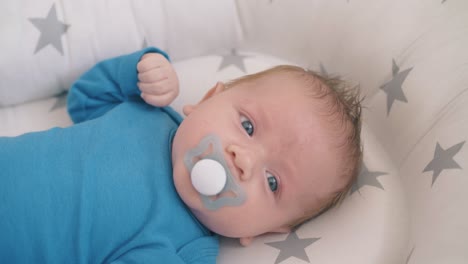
x=341 y=99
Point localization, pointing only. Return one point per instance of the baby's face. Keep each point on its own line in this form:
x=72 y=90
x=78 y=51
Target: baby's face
x=275 y=145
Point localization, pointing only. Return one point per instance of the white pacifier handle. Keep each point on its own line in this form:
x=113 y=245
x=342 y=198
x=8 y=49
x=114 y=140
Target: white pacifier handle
x=208 y=177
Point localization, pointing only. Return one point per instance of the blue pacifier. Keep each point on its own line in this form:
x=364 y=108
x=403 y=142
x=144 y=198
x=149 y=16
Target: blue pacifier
x=211 y=176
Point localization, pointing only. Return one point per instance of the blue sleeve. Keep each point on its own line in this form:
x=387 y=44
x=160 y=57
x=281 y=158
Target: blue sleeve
x=106 y=85
x=203 y=250
x=161 y=255
x=149 y=256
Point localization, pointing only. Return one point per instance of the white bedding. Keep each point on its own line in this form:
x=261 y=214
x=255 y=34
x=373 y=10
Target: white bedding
x=409 y=57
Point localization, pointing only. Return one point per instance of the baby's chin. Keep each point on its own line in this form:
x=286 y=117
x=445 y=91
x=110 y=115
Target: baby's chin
x=223 y=224
x=215 y=226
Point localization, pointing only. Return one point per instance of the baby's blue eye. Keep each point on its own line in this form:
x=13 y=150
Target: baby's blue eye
x=272 y=182
x=248 y=126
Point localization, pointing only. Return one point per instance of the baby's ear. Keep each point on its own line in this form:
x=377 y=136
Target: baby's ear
x=246 y=241
x=188 y=109
x=219 y=87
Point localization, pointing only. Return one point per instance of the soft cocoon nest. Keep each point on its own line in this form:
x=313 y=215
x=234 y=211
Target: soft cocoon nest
x=409 y=58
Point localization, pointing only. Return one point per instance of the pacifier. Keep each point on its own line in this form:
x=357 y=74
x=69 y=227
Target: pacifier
x=211 y=176
x=208 y=177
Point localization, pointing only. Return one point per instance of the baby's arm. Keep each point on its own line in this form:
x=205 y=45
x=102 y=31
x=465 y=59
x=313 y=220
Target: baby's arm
x=106 y=85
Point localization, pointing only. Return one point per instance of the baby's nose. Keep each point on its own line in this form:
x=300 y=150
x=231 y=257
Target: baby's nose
x=243 y=161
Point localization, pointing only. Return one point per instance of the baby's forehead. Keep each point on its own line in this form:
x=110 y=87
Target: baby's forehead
x=288 y=90
x=280 y=82
x=319 y=103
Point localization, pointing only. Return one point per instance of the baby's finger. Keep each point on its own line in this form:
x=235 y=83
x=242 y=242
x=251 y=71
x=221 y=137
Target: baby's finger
x=153 y=75
x=144 y=66
x=150 y=62
x=157 y=88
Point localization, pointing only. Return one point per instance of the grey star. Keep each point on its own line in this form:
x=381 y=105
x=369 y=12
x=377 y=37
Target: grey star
x=233 y=59
x=367 y=177
x=60 y=102
x=443 y=159
x=293 y=246
x=51 y=31
x=393 y=88
x=409 y=256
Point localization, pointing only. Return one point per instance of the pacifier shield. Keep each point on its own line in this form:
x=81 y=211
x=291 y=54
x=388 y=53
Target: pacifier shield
x=213 y=177
x=208 y=177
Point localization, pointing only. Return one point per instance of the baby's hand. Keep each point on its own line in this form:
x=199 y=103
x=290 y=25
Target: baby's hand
x=158 y=80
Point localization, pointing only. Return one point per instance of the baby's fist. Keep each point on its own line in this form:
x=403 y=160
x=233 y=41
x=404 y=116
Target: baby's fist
x=157 y=80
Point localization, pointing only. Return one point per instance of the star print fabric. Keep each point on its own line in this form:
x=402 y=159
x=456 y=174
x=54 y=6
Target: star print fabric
x=54 y=42
x=409 y=58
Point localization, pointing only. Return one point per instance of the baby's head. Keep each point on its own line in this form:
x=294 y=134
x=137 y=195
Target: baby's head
x=290 y=140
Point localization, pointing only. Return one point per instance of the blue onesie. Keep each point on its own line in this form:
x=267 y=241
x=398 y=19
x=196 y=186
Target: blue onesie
x=100 y=191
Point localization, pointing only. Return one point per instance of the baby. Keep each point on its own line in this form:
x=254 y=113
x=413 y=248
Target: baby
x=119 y=186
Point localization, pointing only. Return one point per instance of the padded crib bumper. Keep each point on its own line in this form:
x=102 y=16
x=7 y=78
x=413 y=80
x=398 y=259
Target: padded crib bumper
x=409 y=58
